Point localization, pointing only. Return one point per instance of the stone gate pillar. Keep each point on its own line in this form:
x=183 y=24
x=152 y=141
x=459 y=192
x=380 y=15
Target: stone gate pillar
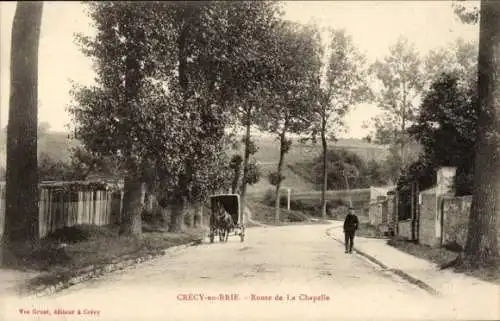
x=444 y=187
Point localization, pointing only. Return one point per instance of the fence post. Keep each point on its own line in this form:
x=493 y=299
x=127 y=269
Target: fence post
x=412 y=209
x=396 y=213
x=121 y=207
x=288 y=201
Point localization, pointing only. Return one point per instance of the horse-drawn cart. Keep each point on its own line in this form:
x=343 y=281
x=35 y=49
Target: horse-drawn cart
x=226 y=205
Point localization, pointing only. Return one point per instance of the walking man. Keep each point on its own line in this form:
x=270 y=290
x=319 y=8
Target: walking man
x=350 y=226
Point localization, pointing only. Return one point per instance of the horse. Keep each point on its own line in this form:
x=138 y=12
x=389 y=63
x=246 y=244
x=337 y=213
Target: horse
x=221 y=223
x=226 y=224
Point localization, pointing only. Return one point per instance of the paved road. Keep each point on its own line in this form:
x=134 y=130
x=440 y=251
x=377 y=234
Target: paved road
x=299 y=262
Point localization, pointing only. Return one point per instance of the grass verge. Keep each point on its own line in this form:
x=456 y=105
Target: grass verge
x=445 y=258
x=88 y=248
x=266 y=214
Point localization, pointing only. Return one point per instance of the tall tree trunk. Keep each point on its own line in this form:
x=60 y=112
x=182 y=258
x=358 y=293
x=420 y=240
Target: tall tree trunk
x=166 y=216
x=131 y=223
x=177 y=215
x=198 y=215
x=246 y=157
x=178 y=208
x=21 y=212
x=403 y=128
x=278 y=183
x=482 y=245
x=134 y=185
x=236 y=179
x=324 y=145
x=189 y=216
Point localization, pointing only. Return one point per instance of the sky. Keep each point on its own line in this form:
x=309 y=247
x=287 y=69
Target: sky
x=373 y=25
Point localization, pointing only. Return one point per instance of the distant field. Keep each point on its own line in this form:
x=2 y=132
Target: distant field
x=296 y=177
x=357 y=196
x=268 y=151
x=292 y=180
x=55 y=144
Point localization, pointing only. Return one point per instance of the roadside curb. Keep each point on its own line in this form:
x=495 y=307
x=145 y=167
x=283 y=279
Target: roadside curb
x=93 y=272
x=407 y=277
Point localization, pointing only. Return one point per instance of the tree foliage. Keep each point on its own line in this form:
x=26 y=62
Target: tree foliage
x=344 y=164
x=468 y=12
x=297 y=66
x=446 y=129
x=170 y=77
x=458 y=60
x=400 y=84
x=343 y=85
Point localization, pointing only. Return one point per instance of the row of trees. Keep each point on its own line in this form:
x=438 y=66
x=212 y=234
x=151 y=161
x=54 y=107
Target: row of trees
x=172 y=78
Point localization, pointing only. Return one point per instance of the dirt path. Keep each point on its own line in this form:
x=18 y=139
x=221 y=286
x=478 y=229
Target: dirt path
x=299 y=262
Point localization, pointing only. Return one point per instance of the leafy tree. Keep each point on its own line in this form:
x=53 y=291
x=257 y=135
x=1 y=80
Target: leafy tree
x=384 y=131
x=482 y=239
x=252 y=71
x=446 y=128
x=80 y=166
x=348 y=170
x=465 y=11
x=220 y=55
x=298 y=62
x=345 y=85
x=401 y=82
x=186 y=65
x=52 y=170
x=111 y=118
x=21 y=199
x=459 y=60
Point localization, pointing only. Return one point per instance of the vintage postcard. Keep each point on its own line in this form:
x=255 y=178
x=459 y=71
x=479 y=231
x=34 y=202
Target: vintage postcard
x=249 y=160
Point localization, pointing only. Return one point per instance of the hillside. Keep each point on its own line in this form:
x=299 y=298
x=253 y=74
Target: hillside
x=58 y=145
x=269 y=150
x=55 y=144
x=268 y=156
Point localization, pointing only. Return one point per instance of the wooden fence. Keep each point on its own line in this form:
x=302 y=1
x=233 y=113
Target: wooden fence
x=65 y=204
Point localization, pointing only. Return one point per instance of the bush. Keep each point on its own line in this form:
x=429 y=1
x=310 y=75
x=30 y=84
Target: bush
x=360 y=173
x=79 y=233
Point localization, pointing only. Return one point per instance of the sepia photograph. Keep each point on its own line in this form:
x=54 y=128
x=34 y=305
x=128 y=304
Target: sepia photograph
x=249 y=160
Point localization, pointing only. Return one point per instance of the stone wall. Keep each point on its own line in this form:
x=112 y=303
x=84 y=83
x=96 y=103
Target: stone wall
x=404 y=229
x=377 y=213
x=455 y=219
